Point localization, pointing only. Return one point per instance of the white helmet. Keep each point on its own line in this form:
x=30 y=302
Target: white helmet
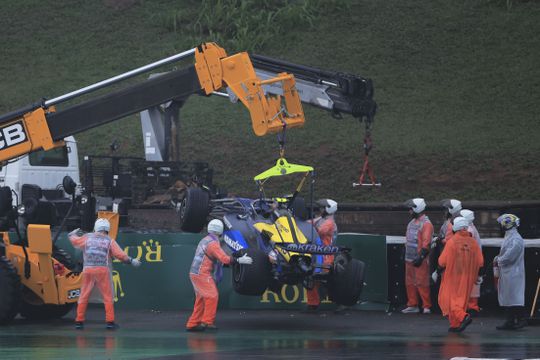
x=460 y=223
x=215 y=227
x=467 y=214
x=453 y=206
x=417 y=205
x=330 y=206
x=102 y=225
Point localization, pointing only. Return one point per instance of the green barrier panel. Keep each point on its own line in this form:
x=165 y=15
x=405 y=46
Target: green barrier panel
x=162 y=282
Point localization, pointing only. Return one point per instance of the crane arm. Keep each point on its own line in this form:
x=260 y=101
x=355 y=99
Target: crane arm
x=338 y=92
x=40 y=126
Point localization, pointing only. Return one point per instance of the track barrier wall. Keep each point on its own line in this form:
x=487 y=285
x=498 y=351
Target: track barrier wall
x=162 y=282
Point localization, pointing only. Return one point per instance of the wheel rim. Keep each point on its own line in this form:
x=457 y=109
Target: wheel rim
x=183 y=209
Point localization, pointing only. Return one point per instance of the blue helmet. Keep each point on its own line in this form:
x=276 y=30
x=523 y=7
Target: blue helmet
x=508 y=221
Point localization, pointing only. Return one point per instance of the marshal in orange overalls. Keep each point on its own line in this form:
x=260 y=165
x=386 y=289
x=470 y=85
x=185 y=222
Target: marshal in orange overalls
x=461 y=258
x=98 y=251
x=327 y=230
x=418 y=237
x=206 y=293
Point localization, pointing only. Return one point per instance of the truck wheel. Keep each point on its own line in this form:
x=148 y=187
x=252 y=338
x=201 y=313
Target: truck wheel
x=32 y=307
x=194 y=210
x=10 y=286
x=252 y=279
x=345 y=287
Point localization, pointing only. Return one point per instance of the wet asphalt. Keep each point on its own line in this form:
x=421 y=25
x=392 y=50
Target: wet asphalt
x=268 y=334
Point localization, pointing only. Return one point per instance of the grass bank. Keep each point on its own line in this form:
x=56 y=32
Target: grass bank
x=457 y=85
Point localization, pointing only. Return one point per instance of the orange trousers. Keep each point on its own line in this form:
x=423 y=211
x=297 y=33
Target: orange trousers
x=412 y=296
x=417 y=282
x=473 y=304
x=313 y=298
x=313 y=295
x=100 y=277
x=456 y=315
x=206 y=300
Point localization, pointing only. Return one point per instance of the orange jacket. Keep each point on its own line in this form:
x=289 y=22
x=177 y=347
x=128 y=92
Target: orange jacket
x=423 y=237
x=208 y=251
x=461 y=258
x=326 y=228
x=114 y=250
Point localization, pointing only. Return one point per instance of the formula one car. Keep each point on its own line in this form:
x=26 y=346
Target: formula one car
x=275 y=232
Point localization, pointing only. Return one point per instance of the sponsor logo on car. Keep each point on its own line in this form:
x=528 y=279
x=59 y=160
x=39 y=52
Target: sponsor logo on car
x=310 y=248
x=232 y=244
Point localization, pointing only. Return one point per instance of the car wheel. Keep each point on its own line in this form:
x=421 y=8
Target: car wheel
x=194 y=210
x=252 y=279
x=299 y=208
x=345 y=286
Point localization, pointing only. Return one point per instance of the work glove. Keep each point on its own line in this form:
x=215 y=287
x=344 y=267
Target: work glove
x=75 y=232
x=435 y=276
x=435 y=242
x=272 y=256
x=420 y=257
x=244 y=260
x=134 y=262
x=479 y=281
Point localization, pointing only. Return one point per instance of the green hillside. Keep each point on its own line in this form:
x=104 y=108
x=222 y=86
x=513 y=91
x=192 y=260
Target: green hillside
x=457 y=83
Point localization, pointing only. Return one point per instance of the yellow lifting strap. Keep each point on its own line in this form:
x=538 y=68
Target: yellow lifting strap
x=281 y=168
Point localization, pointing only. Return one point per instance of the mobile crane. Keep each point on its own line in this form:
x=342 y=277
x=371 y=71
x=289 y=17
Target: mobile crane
x=28 y=272
x=40 y=127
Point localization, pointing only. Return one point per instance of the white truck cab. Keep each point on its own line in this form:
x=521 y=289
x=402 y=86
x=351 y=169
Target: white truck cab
x=43 y=168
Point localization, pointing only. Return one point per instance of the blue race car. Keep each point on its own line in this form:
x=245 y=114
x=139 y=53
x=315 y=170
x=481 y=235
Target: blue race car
x=284 y=245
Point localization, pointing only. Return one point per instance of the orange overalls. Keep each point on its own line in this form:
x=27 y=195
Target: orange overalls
x=97 y=249
x=206 y=294
x=461 y=258
x=419 y=234
x=327 y=230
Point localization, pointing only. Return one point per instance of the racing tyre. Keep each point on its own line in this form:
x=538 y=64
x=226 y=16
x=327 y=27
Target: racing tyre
x=252 y=279
x=32 y=307
x=299 y=208
x=194 y=210
x=10 y=286
x=345 y=287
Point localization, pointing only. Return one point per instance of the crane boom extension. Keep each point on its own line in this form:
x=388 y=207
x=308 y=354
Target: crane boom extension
x=335 y=91
x=39 y=126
